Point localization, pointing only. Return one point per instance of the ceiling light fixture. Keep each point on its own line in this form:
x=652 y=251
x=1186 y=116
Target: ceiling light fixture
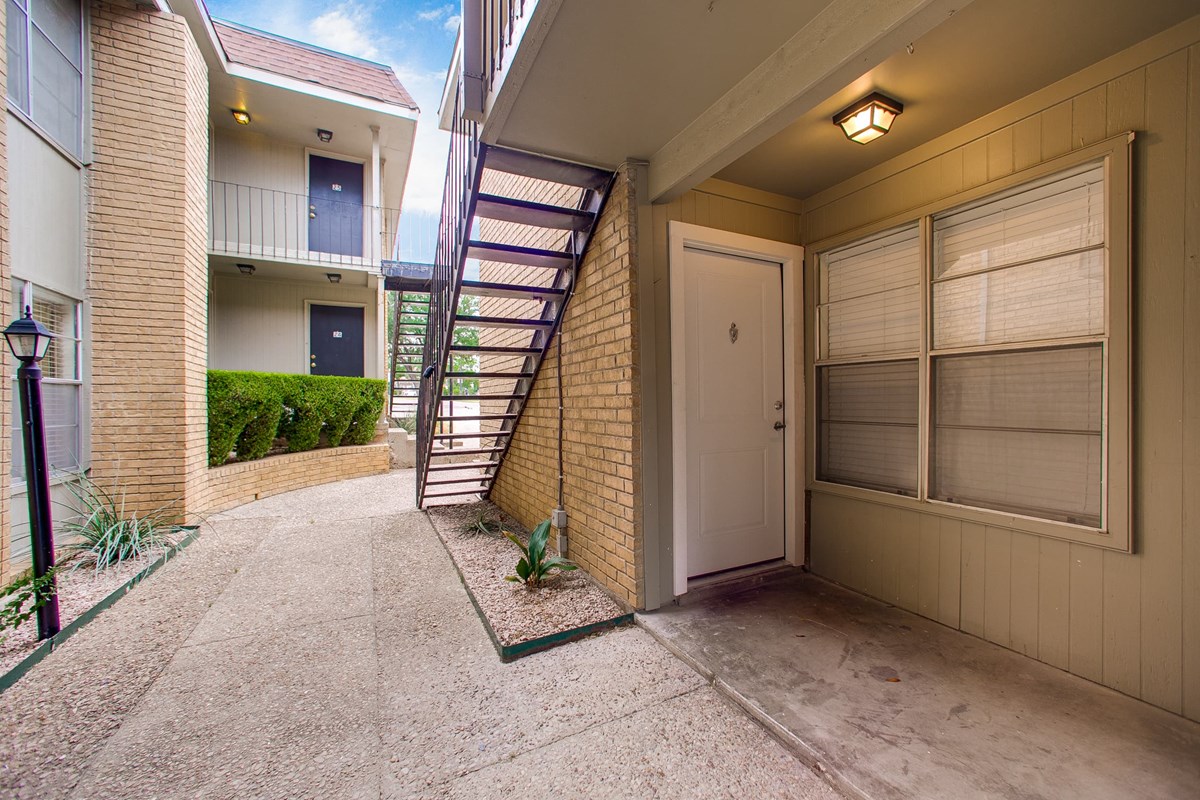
x=239 y=116
x=324 y=135
x=869 y=118
x=246 y=269
x=334 y=277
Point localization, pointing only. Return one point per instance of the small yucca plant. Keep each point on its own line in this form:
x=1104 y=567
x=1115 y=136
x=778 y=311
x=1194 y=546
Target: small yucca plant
x=105 y=535
x=535 y=566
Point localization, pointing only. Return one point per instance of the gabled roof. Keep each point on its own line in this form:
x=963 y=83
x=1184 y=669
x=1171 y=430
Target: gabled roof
x=305 y=62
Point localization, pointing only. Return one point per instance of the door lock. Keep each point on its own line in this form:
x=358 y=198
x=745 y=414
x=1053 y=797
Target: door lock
x=780 y=426
x=778 y=405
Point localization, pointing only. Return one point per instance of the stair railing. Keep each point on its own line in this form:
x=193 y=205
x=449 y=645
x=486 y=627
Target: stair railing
x=458 y=199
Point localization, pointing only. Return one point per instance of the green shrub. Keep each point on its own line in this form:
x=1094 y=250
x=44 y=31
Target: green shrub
x=249 y=410
x=535 y=566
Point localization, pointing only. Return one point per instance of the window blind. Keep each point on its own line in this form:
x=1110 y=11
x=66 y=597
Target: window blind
x=1026 y=266
x=871 y=296
x=868 y=425
x=1021 y=432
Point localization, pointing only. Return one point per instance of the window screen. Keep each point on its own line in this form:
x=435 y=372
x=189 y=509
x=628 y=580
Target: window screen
x=870 y=307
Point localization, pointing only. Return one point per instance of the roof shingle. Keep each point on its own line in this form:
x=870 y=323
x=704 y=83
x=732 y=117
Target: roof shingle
x=306 y=62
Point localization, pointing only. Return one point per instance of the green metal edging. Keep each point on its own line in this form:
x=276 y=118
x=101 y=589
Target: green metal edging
x=511 y=652
x=42 y=650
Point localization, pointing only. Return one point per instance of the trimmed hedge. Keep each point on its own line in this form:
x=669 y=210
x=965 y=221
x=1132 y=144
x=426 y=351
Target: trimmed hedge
x=248 y=411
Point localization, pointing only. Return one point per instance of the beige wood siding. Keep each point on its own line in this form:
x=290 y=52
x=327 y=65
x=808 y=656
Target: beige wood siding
x=1131 y=622
x=261 y=324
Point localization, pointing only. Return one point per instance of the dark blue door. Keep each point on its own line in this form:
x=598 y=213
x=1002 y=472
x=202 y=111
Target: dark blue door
x=335 y=334
x=335 y=206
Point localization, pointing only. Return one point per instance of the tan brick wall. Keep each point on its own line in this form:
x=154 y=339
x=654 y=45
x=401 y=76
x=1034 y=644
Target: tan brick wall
x=147 y=274
x=8 y=362
x=235 y=484
x=602 y=425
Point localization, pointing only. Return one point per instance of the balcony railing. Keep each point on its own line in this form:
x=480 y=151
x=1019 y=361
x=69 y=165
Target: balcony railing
x=266 y=223
x=462 y=183
x=488 y=29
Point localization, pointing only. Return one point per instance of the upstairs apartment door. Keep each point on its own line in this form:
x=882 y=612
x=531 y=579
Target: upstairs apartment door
x=335 y=206
x=733 y=393
x=335 y=340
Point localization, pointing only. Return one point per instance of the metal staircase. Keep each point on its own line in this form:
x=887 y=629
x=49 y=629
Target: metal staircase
x=517 y=320
x=410 y=315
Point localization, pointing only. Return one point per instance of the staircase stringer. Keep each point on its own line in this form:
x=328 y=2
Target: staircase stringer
x=591 y=200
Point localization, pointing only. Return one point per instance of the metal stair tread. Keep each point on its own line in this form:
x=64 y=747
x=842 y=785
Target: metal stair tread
x=510 y=290
x=528 y=212
x=543 y=168
x=518 y=254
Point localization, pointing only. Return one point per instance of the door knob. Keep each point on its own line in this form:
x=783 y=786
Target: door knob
x=780 y=426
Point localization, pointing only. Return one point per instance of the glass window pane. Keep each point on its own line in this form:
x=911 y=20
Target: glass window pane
x=1063 y=214
x=18 y=57
x=868 y=425
x=60 y=407
x=62 y=22
x=56 y=96
x=1021 y=432
x=1058 y=298
x=871 y=296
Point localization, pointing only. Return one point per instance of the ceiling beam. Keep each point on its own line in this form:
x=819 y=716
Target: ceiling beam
x=846 y=40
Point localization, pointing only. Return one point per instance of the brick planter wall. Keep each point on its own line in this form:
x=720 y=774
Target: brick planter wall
x=235 y=484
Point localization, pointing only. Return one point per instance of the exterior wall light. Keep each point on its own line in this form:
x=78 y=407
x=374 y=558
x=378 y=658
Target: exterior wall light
x=324 y=135
x=246 y=269
x=29 y=340
x=239 y=116
x=334 y=277
x=869 y=118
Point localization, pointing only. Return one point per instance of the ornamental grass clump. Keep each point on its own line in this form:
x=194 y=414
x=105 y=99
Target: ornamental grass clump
x=106 y=535
x=536 y=565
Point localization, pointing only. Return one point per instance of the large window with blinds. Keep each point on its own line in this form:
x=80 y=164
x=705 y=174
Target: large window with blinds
x=978 y=356
x=44 y=41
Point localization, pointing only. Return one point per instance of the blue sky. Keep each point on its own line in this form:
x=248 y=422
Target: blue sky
x=415 y=37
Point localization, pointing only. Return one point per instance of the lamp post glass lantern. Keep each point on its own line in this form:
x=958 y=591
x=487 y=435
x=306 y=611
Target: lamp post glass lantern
x=29 y=340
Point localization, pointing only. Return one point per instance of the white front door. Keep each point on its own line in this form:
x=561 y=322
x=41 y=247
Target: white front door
x=733 y=349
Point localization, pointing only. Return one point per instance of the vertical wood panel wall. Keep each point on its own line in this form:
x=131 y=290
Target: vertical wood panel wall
x=1131 y=622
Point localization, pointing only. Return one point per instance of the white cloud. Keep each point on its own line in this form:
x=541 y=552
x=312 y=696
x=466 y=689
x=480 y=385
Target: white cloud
x=434 y=14
x=451 y=23
x=348 y=28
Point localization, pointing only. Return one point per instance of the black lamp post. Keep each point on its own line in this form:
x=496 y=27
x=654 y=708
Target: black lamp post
x=29 y=340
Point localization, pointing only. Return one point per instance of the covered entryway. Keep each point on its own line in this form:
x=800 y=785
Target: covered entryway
x=730 y=412
x=335 y=340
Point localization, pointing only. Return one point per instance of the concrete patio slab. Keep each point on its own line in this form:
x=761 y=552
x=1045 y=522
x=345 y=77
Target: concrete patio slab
x=899 y=706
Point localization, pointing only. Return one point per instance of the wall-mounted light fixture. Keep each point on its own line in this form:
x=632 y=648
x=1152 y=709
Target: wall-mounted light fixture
x=324 y=135
x=246 y=269
x=239 y=116
x=334 y=277
x=869 y=118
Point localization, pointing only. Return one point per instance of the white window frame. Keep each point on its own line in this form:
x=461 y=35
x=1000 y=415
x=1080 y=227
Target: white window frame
x=1115 y=529
x=28 y=290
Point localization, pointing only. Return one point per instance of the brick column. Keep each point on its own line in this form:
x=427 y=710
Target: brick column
x=147 y=270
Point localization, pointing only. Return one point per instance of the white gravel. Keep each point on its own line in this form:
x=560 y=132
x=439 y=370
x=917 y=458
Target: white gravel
x=78 y=591
x=515 y=612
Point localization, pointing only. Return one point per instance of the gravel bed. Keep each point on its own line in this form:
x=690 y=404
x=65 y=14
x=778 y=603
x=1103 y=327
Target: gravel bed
x=516 y=613
x=78 y=591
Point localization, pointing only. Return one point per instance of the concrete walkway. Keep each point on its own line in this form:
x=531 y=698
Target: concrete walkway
x=319 y=644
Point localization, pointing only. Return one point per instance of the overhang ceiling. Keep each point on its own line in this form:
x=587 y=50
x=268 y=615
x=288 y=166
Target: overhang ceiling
x=988 y=55
x=620 y=78
x=288 y=116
